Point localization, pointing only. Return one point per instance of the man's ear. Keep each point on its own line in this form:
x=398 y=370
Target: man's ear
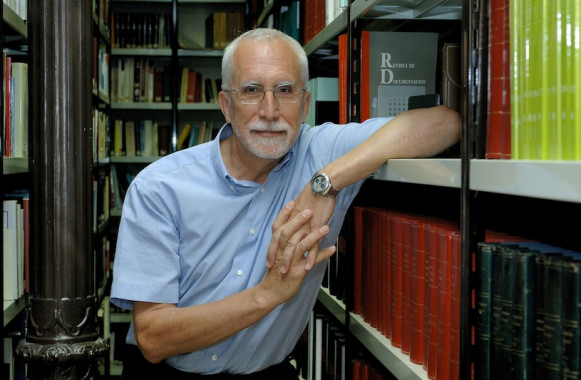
x=224 y=101
x=306 y=106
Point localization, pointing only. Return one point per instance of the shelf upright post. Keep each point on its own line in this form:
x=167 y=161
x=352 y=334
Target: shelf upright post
x=2 y=187
x=176 y=75
x=474 y=119
x=63 y=340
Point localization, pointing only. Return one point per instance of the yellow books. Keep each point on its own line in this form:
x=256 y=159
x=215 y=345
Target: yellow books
x=184 y=134
x=184 y=85
x=515 y=46
x=117 y=139
x=565 y=140
x=576 y=68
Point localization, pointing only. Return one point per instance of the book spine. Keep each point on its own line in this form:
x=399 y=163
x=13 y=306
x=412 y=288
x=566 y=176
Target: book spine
x=418 y=281
x=523 y=320
x=572 y=319
x=501 y=323
x=484 y=270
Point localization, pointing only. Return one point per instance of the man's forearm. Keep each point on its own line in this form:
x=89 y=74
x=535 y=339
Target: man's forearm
x=164 y=330
x=412 y=134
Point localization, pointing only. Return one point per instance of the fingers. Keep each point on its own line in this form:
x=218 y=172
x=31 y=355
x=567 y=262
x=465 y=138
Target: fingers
x=281 y=218
x=291 y=235
x=312 y=256
x=308 y=244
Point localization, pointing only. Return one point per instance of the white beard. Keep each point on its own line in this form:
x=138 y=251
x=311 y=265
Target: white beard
x=271 y=148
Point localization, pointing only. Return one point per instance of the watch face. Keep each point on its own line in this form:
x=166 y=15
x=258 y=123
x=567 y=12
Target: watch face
x=319 y=184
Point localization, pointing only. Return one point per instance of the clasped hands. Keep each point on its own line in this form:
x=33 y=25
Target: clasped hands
x=298 y=229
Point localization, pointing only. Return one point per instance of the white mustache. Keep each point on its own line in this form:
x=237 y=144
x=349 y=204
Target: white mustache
x=267 y=127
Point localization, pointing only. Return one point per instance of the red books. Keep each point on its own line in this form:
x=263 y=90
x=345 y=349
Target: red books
x=386 y=300
x=444 y=303
x=498 y=133
x=357 y=258
x=407 y=254
x=431 y=301
x=455 y=301
x=343 y=78
x=418 y=281
x=396 y=279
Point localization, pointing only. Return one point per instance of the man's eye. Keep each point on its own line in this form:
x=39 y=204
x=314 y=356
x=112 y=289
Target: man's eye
x=251 y=90
x=285 y=89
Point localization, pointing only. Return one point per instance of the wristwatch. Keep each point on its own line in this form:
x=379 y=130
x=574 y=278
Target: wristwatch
x=321 y=185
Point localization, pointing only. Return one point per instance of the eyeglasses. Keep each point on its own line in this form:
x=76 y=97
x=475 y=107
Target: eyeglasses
x=283 y=93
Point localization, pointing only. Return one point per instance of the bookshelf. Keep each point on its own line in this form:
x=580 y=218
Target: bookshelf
x=101 y=173
x=188 y=51
x=15 y=176
x=473 y=182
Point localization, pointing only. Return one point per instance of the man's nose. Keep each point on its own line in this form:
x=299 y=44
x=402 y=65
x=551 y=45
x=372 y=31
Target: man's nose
x=269 y=105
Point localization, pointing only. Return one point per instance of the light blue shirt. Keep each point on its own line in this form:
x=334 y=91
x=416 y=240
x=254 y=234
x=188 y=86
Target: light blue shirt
x=192 y=234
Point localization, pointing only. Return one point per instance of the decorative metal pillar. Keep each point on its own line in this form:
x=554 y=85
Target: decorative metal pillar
x=62 y=339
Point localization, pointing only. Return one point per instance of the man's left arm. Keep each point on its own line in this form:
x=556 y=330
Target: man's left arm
x=412 y=134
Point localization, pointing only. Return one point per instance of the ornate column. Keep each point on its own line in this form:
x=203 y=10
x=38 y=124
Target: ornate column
x=62 y=340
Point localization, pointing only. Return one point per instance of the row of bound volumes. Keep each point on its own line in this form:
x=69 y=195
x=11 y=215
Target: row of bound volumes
x=407 y=284
x=139 y=80
x=319 y=14
x=100 y=134
x=324 y=355
x=528 y=301
x=534 y=66
x=140 y=31
x=196 y=133
x=146 y=138
x=194 y=88
x=222 y=28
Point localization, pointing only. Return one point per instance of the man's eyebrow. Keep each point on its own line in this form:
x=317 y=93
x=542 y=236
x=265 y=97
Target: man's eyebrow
x=250 y=83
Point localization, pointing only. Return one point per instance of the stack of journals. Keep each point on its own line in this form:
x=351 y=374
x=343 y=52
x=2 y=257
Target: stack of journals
x=407 y=284
x=545 y=79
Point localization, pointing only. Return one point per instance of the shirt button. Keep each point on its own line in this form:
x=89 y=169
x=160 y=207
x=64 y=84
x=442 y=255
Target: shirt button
x=262 y=190
x=251 y=232
x=232 y=188
x=214 y=357
x=240 y=272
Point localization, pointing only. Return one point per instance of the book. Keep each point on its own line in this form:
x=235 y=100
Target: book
x=343 y=78
x=19 y=109
x=13 y=249
x=572 y=318
x=323 y=89
x=395 y=66
x=8 y=109
x=451 y=76
x=417 y=296
x=183 y=136
x=484 y=271
x=498 y=134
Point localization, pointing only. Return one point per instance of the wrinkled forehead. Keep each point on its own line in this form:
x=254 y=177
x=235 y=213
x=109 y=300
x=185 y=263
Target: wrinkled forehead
x=265 y=62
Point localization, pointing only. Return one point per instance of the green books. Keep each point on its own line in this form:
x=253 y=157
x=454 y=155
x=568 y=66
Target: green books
x=571 y=353
x=483 y=307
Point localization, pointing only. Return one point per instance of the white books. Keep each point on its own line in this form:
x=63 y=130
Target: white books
x=20 y=109
x=13 y=249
